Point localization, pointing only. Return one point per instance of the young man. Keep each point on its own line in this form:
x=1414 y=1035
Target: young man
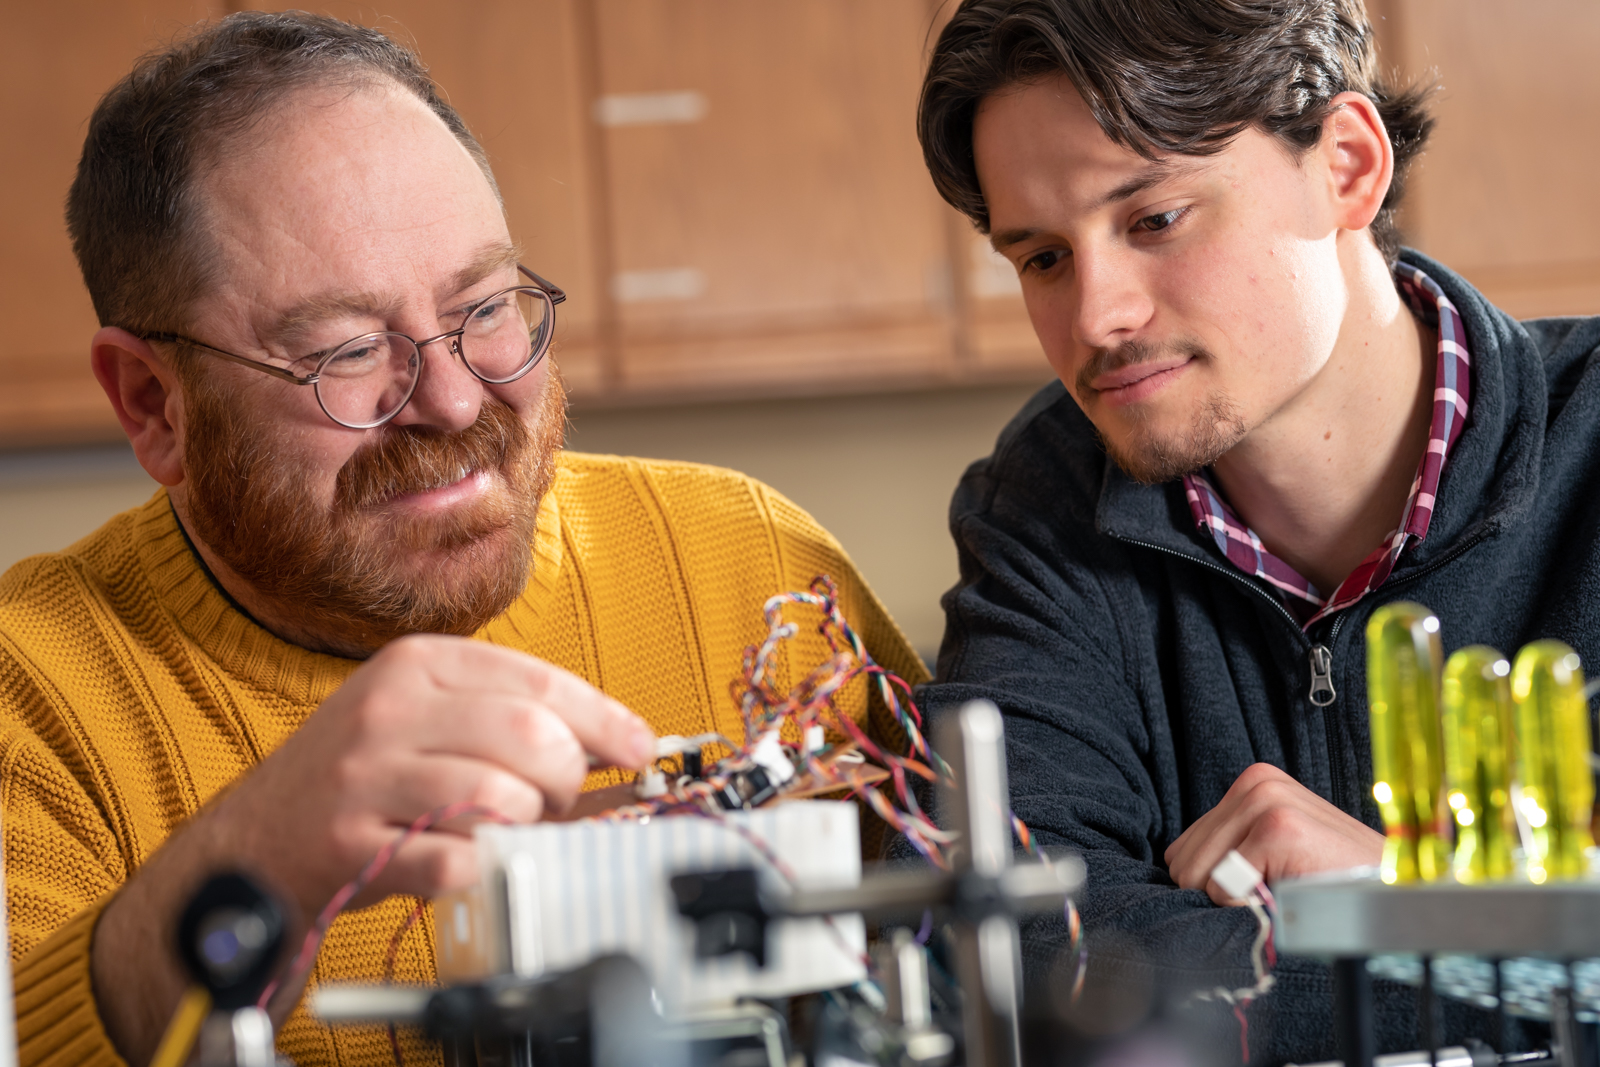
x=1270 y=420
x=184 y=690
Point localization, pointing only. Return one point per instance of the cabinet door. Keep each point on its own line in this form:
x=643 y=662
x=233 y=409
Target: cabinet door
x=1506 y=192
x=772 y=225
x=61 y=57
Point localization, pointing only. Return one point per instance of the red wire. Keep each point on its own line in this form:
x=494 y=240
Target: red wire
x=375 y=866
x=389 y=961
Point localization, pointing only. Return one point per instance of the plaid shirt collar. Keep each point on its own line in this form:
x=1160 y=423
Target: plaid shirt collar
x=1452 y=388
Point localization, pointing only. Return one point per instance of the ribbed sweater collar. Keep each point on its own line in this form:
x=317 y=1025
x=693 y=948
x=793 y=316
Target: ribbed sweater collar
x=248 y=654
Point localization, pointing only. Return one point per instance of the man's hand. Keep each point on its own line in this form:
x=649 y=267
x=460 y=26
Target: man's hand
x=428 y=721
x=1276 y=823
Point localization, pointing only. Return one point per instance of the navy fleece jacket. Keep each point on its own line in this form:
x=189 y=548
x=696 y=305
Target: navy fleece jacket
x=1139 y=672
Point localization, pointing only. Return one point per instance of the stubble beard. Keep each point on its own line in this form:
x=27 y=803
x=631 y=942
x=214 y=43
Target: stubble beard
x=1152 y=454
x=355 y=575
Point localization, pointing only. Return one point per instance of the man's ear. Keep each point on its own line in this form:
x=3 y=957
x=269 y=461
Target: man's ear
x=144 y=393
x=1359 y=159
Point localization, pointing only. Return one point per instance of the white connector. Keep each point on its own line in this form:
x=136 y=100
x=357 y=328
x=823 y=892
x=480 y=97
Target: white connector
x=1236 y=876
x=652 y=784
x=768 y=753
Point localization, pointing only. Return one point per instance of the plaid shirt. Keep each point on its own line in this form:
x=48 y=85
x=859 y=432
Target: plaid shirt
x=1452 y=387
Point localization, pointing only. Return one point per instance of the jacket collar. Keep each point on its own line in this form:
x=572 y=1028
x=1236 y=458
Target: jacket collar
x=1489 y=482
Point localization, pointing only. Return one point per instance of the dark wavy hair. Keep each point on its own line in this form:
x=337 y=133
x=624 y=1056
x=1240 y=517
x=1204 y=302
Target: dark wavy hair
x=1166 y=76
x=133 y=212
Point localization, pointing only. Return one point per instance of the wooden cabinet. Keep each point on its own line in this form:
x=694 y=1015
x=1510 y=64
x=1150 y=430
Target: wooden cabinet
x=1506 y=192
x=779 y=229
x=60 y=58
x=732 y=194
x=730 y=191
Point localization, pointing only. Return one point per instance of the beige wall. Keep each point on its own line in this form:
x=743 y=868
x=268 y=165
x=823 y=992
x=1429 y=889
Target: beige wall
x=49 y=499
x=876 y=470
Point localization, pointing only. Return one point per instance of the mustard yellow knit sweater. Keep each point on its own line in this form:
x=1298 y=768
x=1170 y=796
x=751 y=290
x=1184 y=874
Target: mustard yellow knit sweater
x=131 y=692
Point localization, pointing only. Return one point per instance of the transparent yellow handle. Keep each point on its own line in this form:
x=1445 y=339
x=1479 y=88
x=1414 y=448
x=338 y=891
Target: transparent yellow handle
x=1478 y=754
x=1553 y=759
x=1404 y=663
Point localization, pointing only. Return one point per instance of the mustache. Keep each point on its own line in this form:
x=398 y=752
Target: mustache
x=407 y=459
x=1131 y=354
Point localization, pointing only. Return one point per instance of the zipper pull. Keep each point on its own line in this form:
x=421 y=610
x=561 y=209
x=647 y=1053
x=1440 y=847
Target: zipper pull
x=1322 y=693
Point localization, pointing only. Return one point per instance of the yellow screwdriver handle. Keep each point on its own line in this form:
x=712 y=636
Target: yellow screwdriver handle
x=1478 y=758
x=1404 y=663
x=1553 y=747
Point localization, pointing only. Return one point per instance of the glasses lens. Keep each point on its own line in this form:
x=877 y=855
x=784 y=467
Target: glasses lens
x=506 y=334
x=368 y=379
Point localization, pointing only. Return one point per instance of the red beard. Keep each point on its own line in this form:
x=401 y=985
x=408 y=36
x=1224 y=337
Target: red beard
x=353 y=572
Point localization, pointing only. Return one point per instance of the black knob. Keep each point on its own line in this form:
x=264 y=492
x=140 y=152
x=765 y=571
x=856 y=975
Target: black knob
x=229 y=938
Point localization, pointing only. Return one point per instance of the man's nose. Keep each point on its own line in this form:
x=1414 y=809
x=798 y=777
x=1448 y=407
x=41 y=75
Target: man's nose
x=1113 y=303
x=448 y=396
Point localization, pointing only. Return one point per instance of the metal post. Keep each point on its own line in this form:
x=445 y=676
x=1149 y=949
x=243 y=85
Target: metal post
x=1352 y=1005
x=1502 y=1033
x=988 y=952
x=1428 y=1012
x=1564 y=1029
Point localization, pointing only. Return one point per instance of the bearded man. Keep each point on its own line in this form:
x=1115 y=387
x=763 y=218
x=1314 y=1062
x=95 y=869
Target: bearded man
x=1270 y=420
x=319 y=339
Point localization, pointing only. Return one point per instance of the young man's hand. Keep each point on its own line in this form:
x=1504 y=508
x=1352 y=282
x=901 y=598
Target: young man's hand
x=1276 y=823
x=427 y=722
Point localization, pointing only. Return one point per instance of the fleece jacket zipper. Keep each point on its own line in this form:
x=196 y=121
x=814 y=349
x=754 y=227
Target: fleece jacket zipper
x=1322 y=694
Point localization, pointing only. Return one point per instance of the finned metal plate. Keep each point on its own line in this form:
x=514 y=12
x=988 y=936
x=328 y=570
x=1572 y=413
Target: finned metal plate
x=1364 y=917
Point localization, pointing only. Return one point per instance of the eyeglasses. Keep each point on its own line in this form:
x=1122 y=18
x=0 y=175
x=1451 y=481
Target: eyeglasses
x=367 y=380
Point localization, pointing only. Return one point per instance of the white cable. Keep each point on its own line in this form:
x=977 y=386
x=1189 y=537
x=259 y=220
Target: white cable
x=1264 y=979
x=1238 y=877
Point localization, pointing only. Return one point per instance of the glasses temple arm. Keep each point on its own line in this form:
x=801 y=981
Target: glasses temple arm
x=557 y=294
x=256 y=364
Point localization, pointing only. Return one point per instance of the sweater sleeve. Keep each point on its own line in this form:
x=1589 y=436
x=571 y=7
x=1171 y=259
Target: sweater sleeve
x=61 y=868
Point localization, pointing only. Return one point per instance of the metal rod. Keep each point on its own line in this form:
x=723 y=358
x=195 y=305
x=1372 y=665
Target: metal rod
x=988 y=953
x=1352 y=992
x=1502 y=1021
x=1564 y=1028
x=1428 y=1012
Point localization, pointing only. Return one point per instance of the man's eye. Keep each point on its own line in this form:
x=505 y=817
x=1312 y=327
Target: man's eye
x=354 y=357
x=1154 y=223
x=487 y=316
x=1043 y=261
x=491 y=309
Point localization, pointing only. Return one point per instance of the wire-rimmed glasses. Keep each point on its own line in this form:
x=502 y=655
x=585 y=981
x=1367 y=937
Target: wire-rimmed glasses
x=366 y=381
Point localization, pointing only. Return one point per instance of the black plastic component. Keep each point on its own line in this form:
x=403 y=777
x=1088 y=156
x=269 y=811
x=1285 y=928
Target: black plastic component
x=758 y=788
x=728 y=796
x=229 y=938
x=694 y=765
x=728 y=913
x=747 y=789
